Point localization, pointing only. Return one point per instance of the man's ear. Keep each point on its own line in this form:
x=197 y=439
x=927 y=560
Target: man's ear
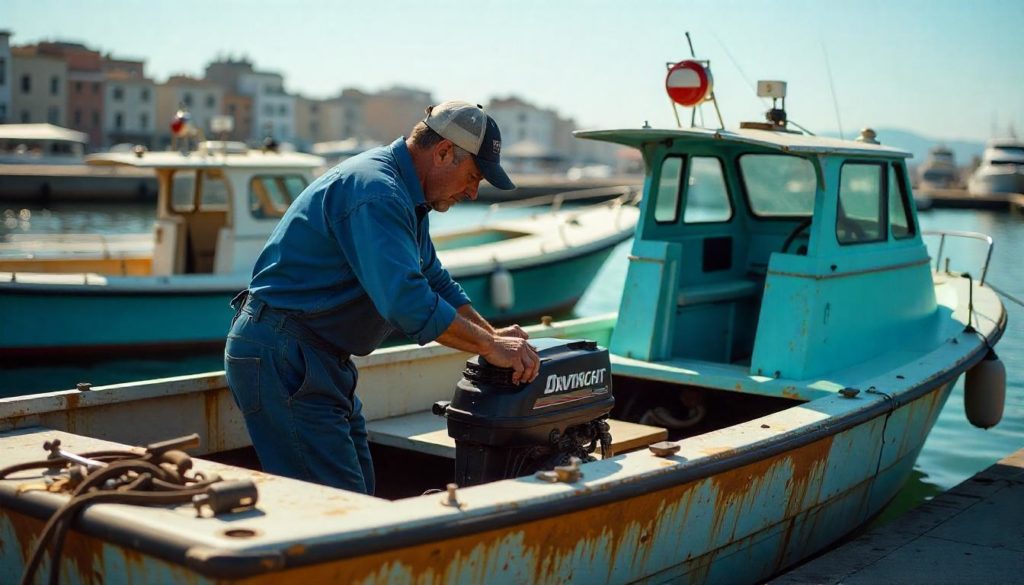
x=443 y=151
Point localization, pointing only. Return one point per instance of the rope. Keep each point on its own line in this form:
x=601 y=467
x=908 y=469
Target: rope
x=161 y=475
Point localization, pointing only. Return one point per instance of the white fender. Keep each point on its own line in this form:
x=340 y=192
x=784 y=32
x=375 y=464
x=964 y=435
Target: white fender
x=503 y=293
x=985 y=391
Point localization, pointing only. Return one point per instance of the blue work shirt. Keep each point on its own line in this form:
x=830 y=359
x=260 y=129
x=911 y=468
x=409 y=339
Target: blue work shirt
x=353 y=251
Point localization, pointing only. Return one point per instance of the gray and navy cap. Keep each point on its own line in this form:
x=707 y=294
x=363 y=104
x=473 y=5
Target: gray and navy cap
x=471 y=129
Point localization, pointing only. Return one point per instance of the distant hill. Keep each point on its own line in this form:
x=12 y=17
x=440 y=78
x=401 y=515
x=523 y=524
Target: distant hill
x=919 y=145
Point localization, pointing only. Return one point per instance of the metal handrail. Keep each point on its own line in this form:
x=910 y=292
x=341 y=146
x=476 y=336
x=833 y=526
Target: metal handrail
x=623 y=194
x=961 y=234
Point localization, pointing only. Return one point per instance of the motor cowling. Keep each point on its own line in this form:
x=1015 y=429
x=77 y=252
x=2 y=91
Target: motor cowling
x=504 y=430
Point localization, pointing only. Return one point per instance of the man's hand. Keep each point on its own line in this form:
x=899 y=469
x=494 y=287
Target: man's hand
x=515 y=353
x=512 y=331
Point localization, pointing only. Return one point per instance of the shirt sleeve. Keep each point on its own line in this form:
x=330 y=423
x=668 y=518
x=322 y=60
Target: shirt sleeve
x=378 y=238
x=440 y=280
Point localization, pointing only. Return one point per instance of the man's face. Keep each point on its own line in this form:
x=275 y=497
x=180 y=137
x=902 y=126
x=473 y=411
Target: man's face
x=449 y=183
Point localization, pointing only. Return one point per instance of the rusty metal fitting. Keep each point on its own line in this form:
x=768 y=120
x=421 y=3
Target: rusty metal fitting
x=451 y=498
x=849 y=392
x=664 y=448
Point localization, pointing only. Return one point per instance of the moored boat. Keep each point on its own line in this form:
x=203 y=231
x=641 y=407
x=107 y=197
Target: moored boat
x=215 y=210
x=1001 y=171
x=781 y=325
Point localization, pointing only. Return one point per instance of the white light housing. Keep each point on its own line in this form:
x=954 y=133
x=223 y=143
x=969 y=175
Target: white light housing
x=771 y=89
x=222 y=123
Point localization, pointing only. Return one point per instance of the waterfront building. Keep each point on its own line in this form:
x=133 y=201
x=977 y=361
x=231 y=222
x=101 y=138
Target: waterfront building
x=39 y=92
x=129 y=103
x=202 y=99
x=239 y=107
x=273 y=109
x=528 y=134
x=5 y=77
x=309 y=129
x=391 y=113
x=84 y=95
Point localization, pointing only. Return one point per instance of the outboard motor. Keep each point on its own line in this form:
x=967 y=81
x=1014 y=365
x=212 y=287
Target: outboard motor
x=504 y=430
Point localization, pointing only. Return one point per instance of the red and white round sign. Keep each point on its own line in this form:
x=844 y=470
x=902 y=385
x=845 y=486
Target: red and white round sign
x=688 y=83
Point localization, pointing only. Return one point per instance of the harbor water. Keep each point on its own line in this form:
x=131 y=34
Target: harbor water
x=953 y=452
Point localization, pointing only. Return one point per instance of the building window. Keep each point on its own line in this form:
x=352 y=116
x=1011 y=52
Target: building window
x=26 y=84
x=53 y=115
x=118 y=121
x=55 y=85
x=283 y=110
x=78 y=118
x=3 y=113
x=96 y=119
x=211 y=101
x=144 y=121
x=118 y=94
x=25 y=118
x=95 y=87
x=231 y=109
x=145 y=94
x=78 y=87
x=187 y=99
x=3 y=71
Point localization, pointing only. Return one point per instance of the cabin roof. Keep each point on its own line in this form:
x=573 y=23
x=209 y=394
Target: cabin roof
x=41 y=132
x=782 y=141
x=253 y=159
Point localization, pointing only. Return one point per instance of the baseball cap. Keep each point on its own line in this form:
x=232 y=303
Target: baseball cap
x=471 y=129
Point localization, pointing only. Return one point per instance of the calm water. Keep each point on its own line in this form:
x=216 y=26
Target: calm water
x=954 y=451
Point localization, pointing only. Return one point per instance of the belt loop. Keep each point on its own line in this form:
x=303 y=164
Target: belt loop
x=260 y=305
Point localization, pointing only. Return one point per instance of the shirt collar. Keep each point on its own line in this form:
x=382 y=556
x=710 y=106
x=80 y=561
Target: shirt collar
x=407 y=172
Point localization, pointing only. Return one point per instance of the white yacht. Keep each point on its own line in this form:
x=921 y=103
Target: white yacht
x=1001 y=169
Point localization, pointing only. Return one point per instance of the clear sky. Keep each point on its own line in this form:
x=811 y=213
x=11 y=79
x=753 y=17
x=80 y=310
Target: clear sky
x=943 y=68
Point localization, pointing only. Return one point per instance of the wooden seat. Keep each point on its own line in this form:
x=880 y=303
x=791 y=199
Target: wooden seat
x=425 y=432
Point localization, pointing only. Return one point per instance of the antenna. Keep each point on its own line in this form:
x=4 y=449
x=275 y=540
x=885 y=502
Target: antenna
x=832 y=88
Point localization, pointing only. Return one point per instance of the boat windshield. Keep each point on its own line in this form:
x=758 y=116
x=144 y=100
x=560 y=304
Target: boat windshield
x=270 y=195
x=779 y=185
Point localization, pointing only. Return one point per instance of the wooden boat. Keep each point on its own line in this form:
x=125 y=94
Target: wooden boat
x=781 y=325
x=99 y=296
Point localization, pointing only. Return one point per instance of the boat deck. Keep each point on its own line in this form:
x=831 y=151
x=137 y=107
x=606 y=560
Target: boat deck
x=970 y=534
x=425 y=432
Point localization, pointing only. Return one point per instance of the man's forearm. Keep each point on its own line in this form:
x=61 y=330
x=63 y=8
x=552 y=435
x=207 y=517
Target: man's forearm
x=469 y=313
x=466 y=335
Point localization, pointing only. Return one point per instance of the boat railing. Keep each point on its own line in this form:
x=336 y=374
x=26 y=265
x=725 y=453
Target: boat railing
x=619 y=195
x=943 y=234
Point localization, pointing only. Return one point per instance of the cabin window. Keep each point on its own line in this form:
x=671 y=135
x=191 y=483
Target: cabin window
x=183 y=188
x=859 y=216
x=666 y=203
x=707 y=199
x=779 y=185
x=901 y=222
x=213 y=190
x=270 y=195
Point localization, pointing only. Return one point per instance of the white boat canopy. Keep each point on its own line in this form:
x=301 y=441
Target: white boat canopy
x=41 y=132
x=253 y=159
x=783 y=141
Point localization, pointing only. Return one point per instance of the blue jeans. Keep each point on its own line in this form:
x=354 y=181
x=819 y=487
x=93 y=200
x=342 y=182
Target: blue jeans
x=298 y=400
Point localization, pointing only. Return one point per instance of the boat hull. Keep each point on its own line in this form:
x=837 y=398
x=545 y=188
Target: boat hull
x=94 y=320
x=745 y=517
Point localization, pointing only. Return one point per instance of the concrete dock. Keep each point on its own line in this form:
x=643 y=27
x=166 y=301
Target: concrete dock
x=961 y=199
x=974 y=533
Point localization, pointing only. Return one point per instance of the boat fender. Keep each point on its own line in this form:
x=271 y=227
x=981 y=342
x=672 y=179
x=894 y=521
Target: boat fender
x=503 y=293
x=985 y=391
